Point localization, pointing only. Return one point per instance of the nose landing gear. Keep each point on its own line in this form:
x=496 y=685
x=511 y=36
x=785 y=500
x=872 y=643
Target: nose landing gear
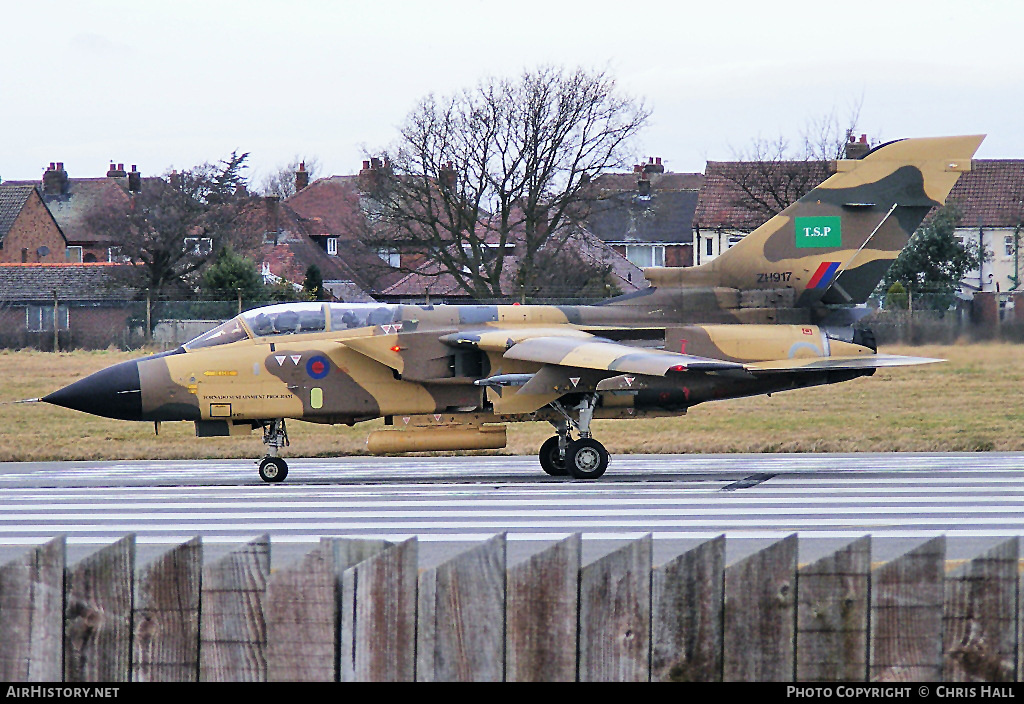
x=275 y=436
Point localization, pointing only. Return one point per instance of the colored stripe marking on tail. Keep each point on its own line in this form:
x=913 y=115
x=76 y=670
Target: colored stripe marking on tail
x=823 y=276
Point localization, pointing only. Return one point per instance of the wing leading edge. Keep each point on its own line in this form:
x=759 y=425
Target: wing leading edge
x=595 y=354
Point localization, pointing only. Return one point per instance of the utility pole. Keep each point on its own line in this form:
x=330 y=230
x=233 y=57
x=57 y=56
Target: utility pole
x=149 y=317
x=56 y=322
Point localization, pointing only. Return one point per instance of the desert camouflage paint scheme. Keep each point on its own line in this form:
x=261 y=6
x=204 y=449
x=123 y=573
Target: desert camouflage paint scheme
x=446 y=377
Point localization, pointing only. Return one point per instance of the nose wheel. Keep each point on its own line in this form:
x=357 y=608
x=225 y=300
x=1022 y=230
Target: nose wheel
x=275 y=436
x=273 y=469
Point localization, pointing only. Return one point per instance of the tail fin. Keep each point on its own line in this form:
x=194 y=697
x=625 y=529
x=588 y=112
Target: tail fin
x=835 y=244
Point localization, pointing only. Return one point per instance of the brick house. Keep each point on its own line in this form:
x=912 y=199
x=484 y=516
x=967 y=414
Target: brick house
x=738 y=197
x=28 y=231
x=990 y=198
x=91 y=308
x=70 y=200
x=647 y=215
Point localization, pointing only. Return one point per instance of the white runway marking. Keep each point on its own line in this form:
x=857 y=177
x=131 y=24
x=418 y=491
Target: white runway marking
x=473 y=498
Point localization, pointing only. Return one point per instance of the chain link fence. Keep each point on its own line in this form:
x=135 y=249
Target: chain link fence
x=67 y=325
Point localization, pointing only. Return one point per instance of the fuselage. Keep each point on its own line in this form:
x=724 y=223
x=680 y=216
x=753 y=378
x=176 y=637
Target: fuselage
x=345 y=363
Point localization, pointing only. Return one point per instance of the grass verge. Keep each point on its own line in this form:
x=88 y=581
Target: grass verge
x=972 y=402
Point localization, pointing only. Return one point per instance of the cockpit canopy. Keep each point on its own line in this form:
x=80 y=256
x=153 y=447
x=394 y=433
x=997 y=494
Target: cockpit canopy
x=296 y=318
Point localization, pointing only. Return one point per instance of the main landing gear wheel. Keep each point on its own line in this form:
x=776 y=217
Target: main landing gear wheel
x=273 y=469
x=551 y=460
x=586 y=458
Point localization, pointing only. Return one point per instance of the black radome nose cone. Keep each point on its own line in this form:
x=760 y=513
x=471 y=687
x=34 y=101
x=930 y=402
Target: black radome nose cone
x=113 y=392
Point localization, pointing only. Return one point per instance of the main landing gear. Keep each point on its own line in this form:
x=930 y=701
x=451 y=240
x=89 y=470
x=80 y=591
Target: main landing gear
x=584 y=458
x=275 y=436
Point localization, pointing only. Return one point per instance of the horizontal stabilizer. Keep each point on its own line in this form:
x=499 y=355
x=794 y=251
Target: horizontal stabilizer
x=853 y=362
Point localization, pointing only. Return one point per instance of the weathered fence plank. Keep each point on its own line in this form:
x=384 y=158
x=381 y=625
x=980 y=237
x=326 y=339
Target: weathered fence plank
x=98 y=615
x=832 y=616
x=980 y=620
x=165 y=619
x=760 y=619
x=906 y=616
x=378 y=616
x=686 y=615
x=347 y=552
x=301 y=615
x=460 y=633
x=232 y=629
x=615 y=615
x=541 y=614
x=32 y=615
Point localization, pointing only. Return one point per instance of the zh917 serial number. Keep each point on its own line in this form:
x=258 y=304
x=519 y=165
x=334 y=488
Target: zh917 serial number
x=774 y=277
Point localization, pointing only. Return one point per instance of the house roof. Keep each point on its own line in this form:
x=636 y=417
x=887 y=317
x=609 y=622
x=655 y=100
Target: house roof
x=741 y=195
x=285 y=240
x=991 y=193
x=427 y=280
x=35 y=283
x=12 y=201
x=71 y=208
x=665 y=214
x=665 y=181
x=330 y=206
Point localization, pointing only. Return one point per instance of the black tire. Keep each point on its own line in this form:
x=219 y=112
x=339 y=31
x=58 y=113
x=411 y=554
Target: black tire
x=586 y=458
x=273 y=469
x=550 y=460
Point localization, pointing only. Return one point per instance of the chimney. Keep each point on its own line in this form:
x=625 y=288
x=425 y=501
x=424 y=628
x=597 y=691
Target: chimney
x=448 y=177
x=369 y=175
x=55 y=180
x=134 y=180
x=654 y=166
x=116 y=171
x=857 y=149
x=273 y=215
x=301 y=177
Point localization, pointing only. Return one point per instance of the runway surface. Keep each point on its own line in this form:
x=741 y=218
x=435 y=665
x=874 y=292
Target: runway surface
x=828 y=499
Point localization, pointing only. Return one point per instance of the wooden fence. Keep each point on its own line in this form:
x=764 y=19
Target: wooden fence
x=366 y=610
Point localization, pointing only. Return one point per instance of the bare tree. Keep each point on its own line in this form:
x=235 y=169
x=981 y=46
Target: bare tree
x=499 y=169
x=772 y=174
x=281 y=182
x=174 y=225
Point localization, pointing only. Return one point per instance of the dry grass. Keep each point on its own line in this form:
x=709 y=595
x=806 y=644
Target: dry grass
x=973 y=402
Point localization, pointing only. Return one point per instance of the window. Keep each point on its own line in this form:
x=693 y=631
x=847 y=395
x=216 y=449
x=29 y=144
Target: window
x=40 y=318
x=709 y=247
x=644 y=255
x=1008 y=243
x=73 y=254
x=114 y=255
x=332 y=246
x=199 y=246
x=391 y=256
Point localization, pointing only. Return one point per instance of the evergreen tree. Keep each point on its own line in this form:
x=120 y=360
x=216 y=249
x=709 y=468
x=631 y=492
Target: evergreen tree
x=933 y=263
x=230 y=274
x=314 y=283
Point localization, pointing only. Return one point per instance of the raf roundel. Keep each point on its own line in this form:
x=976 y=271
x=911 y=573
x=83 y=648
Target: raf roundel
x=318 y=367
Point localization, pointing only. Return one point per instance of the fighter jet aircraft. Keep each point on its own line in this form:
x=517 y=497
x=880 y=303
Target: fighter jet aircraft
x=755 y=320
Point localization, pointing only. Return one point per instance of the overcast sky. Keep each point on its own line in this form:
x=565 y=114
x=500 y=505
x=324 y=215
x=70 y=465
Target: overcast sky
x=171 y=84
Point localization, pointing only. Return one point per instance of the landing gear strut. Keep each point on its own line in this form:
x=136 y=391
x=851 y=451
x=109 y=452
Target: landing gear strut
x=275 y=436
x=584 y=458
